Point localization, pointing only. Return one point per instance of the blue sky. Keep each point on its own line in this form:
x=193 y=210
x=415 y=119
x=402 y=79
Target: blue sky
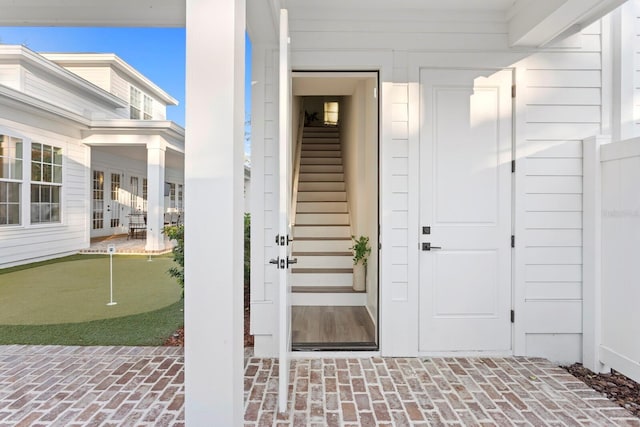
x=158 y=53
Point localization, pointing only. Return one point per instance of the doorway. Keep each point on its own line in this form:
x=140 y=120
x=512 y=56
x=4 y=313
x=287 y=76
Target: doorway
x=335 y=197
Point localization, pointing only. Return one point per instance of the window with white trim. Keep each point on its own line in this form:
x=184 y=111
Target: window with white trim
x=10 y=179
x=140 y=104
x=180 y=198
x=46 y=183
x=145 y=190
x=134 y=103
x=172 y=195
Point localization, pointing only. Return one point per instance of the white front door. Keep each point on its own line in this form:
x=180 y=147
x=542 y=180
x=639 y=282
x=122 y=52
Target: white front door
x=284 y=222
x=465 y=201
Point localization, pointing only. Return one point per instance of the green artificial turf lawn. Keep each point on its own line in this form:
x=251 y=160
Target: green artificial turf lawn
x=151 y=328
x=76 y=289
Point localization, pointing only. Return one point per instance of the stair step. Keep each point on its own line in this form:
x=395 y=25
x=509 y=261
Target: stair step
x=319 y=153
x=321 y=161
x=322 y=219
x=321 y=176
x=324 y=262
x=321 y=169
x=334 y=299
x=311 y=239
x=325 y=290
x=324 y=246
x=328 y=253
x=320 y=147
x=321 y=186
x=324 y=207
x=322 y=196
x=322 y=279
x=320 y=140
x=332 y=231
x=322 y=270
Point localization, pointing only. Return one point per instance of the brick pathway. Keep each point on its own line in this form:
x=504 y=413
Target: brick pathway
x=144 y=386
x=91 y=386
x=426 y=392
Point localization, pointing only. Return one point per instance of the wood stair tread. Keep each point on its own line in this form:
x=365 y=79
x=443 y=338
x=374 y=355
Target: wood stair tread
x=322 y=270
x=321 y=225
x=325 y=290
x=349 y=254
x=320 y=238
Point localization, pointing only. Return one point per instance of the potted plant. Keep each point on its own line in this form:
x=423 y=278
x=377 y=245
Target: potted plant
x=361 y=251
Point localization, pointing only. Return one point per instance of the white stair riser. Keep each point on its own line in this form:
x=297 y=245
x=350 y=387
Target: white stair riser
x=323 y=262
x=322 y=245
x=321 y=147
x=322 y=218
x=315 y=153
x=322 y=279
x=321 y=161
x=335 y=231
x=321 y=186
x=321 y=169
x=322 y=299
x=332 y=177
x=319 y=196
x=328 y=207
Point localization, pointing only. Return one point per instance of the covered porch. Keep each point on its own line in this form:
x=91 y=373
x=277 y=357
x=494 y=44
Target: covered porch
x=137 y=180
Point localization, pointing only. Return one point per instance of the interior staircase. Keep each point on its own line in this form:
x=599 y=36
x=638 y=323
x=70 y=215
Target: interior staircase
x=322 y=229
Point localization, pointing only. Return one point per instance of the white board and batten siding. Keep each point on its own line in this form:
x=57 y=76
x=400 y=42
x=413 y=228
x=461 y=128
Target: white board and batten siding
x=562 y=98
x=29 y=243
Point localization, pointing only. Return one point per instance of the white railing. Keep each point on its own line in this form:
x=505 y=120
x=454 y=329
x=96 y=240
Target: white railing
x=296 y=166
x=611 y=257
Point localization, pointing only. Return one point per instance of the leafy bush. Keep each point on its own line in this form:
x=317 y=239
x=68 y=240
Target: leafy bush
x=361 y=249
x=176 y=232
x=247 y=249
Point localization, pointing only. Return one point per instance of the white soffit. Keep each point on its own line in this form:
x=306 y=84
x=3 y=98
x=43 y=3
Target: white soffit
x=532 y=23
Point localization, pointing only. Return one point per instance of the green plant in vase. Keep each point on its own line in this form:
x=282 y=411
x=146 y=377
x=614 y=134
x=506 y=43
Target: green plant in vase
x=361 y=251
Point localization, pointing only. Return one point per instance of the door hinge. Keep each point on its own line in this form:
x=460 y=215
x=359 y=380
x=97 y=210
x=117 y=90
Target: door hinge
x=513 y=241
x=513 y=91
x=513 y=166
x=513 y=316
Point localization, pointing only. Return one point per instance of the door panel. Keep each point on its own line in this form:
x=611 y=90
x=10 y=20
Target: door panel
x=284 y=251
x=465 y=199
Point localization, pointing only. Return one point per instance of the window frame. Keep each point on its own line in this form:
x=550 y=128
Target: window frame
x=43 y=184
x=14 y=179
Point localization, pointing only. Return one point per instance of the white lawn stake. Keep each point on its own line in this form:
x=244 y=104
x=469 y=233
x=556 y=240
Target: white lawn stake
x=111 y=249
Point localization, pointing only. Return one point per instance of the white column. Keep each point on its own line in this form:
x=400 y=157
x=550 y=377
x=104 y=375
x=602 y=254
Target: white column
x=155 y=195
x=592 y=254
x=214 y=177
x=623 y=70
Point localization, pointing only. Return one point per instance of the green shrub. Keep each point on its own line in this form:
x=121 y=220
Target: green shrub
x=247 y=249
x=176 y=232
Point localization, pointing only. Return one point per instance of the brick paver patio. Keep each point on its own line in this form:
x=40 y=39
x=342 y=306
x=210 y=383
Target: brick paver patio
x=144 y=386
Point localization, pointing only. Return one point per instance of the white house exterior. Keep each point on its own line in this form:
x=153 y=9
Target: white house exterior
x=574 y=72
x=85 y=144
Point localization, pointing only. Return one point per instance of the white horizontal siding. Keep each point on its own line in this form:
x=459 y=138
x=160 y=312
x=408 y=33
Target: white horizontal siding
x=119 y=85
x=396 y=172
x=563 y=106
x=99 y=76
x=65 y=96
x=10 y=76
x=31 y=242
